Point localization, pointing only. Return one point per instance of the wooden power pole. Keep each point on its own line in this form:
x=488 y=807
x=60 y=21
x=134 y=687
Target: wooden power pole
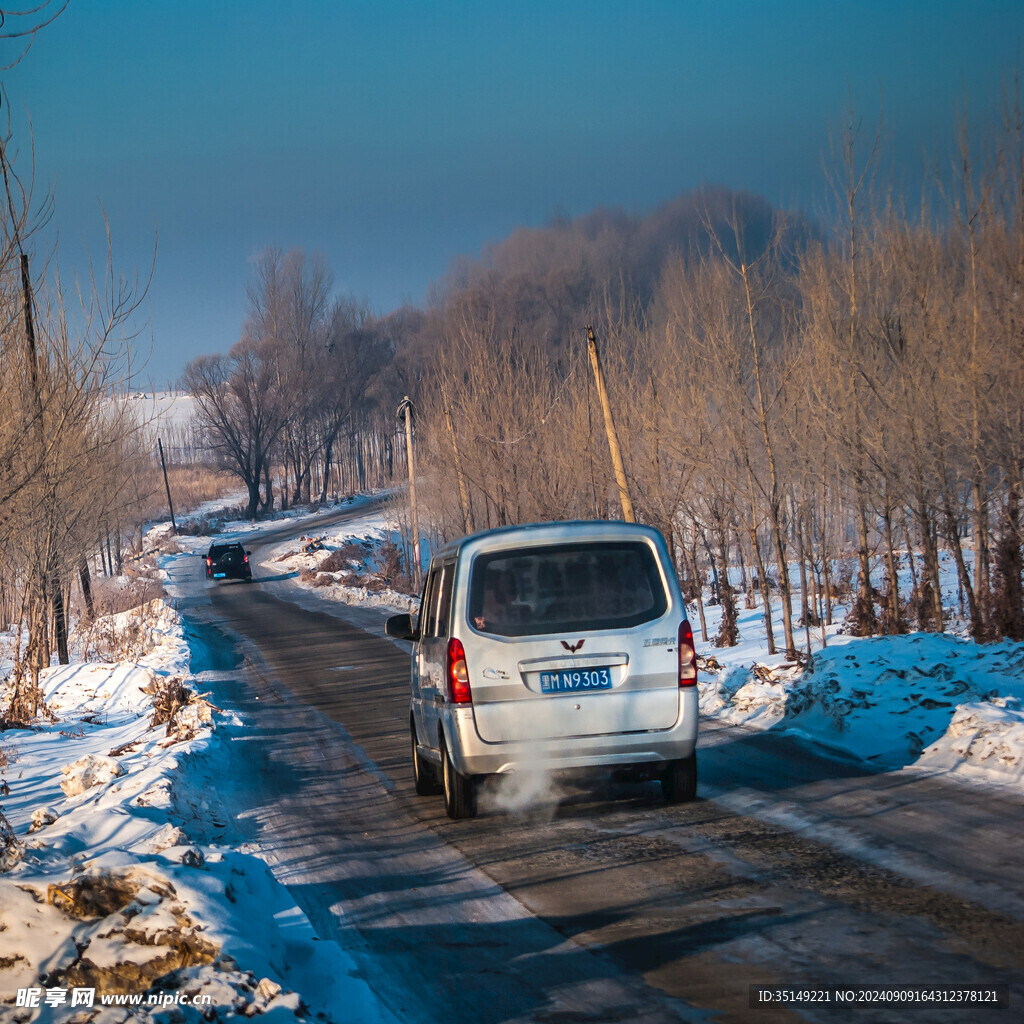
x=609 y=426
x=167 y=486
x=405 y=408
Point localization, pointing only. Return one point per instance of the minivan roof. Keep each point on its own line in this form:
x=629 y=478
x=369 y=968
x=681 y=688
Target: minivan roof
x=555 y=530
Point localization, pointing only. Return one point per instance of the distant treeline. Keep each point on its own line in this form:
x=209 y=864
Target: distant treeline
x=795 y=402
x=800 y=404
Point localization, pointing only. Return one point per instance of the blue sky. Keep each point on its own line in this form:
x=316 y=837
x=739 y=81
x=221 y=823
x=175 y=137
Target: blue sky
x=394 y=136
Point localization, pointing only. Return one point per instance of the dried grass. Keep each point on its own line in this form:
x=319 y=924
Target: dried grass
x=365 y=581
x=340 y=559
x=107 y=641
x=107 y=903
x=167 y=699
x=191 y=485
x=111 y=596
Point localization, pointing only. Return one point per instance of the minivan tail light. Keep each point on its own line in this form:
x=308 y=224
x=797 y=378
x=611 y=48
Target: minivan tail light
x=458 y=674
x=687 y=656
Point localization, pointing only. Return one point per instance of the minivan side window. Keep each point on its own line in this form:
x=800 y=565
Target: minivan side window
x=436 y=608
x=427 y=605
x=444 y=604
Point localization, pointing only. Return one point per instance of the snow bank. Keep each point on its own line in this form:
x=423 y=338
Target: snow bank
x=230 y=529
x=366 y=538
x=933 y=701
x=108 y=895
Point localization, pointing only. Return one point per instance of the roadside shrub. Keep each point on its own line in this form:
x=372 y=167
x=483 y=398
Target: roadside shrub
x=390 y=562
x=861 y=619
x=124 y=593
x=338 y=560
x=392 y=569
x=167 y=699
x=11 y=849
x=200 y=526
x=923 y=607
x=842 y=580
x=110 y=638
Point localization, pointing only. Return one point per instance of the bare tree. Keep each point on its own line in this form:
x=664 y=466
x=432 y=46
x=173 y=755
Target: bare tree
x=20 y=28
x=242 y=411
x=353 y=354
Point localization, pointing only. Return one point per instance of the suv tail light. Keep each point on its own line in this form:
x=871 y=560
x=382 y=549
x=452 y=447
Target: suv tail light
x=458 y=674
x=209 y=560
x=687 y=656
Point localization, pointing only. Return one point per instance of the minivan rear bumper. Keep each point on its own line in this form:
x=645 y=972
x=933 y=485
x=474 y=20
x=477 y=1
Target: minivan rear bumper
x=473 y=756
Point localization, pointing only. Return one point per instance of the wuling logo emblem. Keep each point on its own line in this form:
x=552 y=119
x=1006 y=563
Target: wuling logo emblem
x=572 y=648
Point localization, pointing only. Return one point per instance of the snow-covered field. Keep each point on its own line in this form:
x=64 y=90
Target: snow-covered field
x=106 y=898
x=165 y=412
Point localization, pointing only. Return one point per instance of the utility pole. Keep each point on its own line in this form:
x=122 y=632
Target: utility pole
x=405 y=408
x=609 y=426
x=167 y=486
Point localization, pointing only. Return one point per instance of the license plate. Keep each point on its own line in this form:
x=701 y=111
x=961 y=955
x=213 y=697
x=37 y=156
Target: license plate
x=574 y=680
x=219 y=575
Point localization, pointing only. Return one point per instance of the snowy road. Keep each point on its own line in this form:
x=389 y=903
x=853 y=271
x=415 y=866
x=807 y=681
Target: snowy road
x=604 y=904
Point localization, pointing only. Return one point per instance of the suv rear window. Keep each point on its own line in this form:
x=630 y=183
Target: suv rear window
x=218 y=550
x=566 y=588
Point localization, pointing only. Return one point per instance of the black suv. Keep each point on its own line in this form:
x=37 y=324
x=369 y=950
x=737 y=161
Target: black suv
x=228 y=562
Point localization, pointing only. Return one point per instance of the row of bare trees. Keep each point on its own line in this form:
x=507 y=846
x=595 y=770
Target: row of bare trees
x=814 y=416
x=68 y=451
x=291 y=396
x=799 y=414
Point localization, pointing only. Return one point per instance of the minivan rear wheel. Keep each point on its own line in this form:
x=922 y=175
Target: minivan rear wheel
x=459 y=790
x=679 y=782
x=423 y=772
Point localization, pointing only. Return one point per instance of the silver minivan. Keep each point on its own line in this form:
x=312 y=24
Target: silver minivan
x=551 y=646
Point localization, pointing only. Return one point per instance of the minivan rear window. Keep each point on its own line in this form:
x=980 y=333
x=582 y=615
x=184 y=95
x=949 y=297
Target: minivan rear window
x=565 y=588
